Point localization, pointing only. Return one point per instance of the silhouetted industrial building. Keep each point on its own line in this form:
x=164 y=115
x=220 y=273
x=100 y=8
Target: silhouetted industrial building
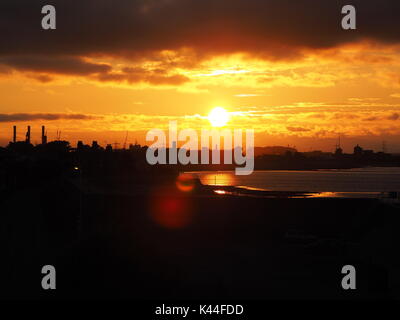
x=44 y=135
x=358 y=150
x=28 y=135
x=109 y=148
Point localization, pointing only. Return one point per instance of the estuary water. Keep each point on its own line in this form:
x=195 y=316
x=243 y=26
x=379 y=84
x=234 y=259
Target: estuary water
x=370 y=179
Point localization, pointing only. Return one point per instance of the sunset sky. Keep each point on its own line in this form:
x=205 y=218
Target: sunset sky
x=284 y=68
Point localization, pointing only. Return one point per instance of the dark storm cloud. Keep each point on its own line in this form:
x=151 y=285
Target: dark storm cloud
x=135 y=75
x=273 y=29
x=4 y=117
x=57 y=64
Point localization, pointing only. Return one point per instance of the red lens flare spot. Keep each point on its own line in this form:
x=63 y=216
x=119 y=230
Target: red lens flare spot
x=186 y=182
x=171 y=212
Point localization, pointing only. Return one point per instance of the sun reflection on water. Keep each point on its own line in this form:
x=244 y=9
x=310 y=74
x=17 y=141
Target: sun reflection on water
x=218 y=179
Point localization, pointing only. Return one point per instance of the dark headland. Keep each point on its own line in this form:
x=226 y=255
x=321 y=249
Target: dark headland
x=115 y=227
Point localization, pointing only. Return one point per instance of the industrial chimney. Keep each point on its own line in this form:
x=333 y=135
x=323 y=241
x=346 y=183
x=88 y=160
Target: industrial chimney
x=28 y=135
x=44 y=136
x=15 y=134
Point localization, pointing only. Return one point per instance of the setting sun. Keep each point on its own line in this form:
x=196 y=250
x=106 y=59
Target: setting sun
x=218 y=117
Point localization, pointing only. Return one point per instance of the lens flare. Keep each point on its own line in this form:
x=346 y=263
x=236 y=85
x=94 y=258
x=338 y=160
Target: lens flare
x=185 y=182
x=171 y=212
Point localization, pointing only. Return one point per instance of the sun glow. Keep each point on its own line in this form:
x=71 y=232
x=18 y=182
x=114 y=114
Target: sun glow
x=218 y=117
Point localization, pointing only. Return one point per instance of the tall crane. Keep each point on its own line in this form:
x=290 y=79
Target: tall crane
x=126 y=138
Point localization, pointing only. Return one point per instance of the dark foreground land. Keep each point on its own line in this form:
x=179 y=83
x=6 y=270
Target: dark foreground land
x=166 y=244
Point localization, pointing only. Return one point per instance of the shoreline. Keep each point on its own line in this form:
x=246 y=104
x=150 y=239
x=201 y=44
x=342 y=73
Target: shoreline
x=242 y=191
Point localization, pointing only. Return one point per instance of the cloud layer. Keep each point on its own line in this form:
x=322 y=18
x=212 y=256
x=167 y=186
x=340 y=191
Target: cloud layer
x=139 y=29
x=13 y=117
